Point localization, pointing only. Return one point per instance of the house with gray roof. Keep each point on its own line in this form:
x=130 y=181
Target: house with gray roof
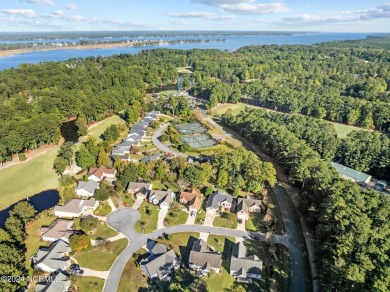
x=163 y=199
x=86 y=189
x=150 y=158
x=246 y=206
x=54 y=258
x=58 y=229
x=160 y=262
x=243 y=267
x=203 y=260
x=56 y=282
x=75 y=207
x=351 y=174
x=218 y=199
x=140 y=190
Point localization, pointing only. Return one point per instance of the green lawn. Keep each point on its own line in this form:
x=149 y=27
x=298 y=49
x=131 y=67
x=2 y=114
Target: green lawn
x=103 y=231
x=127 y=199
x=132 y=278
x=33 y=239
x=199 y=219
x=27 y=178
x=147 y=222
x=226 y=220
x=218 y=241
x=176 y=215
x=343 y=130
x=100 y=258
x=97 y=129
x=256 y=223
x=103 y=210
x=90 y=284
x=219 y=282
x=157 y=185
x=181 y=243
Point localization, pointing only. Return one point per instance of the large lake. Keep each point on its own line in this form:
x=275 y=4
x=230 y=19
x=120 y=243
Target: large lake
x=232 y=43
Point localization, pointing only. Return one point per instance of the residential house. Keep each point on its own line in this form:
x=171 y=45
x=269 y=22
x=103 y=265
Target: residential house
x=160 y=262
x=203 y=260
x=56 y=282
x=58 y=229
x=162 y=198
x=246 y=206
x=351 y=174
x=100 y=173
x=193 y=200
x=86 y=189
x=218 y=200
x=140 y=190
x=243 y=267
x=150 y=158
x=75 y=207
x=54 y=258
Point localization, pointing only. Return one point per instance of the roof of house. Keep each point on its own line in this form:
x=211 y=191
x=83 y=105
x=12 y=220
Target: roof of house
x=155 y=264
x=139 y=187
x=243 y=264
x=194 y=198
x=75 y=205
x=59 y=282
x=217 y=198
x=162 y=196
x=89 y=186
x=245 y=204
x=58 y=229
x=52 y=257
x=100 y=171
x=150 y=158
x=357 y=175
x=202 y=257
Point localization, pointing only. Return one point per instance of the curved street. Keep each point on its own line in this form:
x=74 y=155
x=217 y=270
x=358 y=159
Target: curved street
x=123 y=220
x=163 y=147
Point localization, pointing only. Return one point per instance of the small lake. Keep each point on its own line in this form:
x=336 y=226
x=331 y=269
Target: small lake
x=42 y=201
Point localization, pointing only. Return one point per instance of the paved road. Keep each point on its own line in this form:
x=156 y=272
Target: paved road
x=163 y=147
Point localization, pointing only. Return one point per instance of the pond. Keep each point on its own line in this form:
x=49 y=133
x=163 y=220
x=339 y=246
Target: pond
x=69 y=131
x=42 y=201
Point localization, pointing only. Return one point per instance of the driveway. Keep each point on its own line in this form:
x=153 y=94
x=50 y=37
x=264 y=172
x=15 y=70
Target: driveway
x=137 y=204
x=191 y=219
x=163 y=147
x=208 y=220
x=161 y=216
x=93 y=273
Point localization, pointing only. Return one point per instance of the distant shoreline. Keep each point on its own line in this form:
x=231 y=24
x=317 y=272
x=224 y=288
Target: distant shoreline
x=7 y=53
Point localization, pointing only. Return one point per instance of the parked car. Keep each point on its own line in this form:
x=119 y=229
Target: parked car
x=380 y=185
x=78 y=272
x=74 y=267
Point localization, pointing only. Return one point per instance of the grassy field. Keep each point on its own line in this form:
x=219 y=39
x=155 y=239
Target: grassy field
x=218 y=241
x=175 y=216
x=101 y=258
x=103 y=231
x=184 y=70
x=149 y=220
x=90 y=284
x=33 y=239
x=27 y=178
x=97 y=129
x=132 y=278
x=226 y=220
x=342 y=130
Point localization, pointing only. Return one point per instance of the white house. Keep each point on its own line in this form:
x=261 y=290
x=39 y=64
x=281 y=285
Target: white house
x=75 y=207
x=218 y=200
x=86 y=189
x=58 y=229
x=246 y=206
x=100 y=173
x=162 y=198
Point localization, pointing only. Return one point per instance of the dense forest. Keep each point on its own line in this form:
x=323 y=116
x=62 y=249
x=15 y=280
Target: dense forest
x=348 y=86
x=351 y=223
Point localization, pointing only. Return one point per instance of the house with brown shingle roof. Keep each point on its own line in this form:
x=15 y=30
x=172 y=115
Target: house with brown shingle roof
x=140 y=190
x=163 y=199
x=193 y=200
x=203 y=260
x=75 y=207
x=100 y=173
x=246 y=206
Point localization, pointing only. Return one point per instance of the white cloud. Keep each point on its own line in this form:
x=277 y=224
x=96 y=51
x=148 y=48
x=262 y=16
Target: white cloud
x=43 y=2
x=245 y=6
x=200 y=14
x=59 y=14
x=19 y=12
x=71 y=6
x=179 y=22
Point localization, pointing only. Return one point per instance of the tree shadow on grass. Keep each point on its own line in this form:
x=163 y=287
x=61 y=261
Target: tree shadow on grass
x=185 y=250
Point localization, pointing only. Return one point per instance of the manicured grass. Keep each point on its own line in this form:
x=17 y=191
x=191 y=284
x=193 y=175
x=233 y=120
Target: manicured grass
x=33 y=239
x=97 y=129
x=157 y=185
x=90 y=284
x=343 y=130
x=103 y=210
x=100 y=258
x=184 y=70
x=181 y=243
x=226 y=220
x=176 y=215
x=127 y=200
x=218 y=241
x=256 y=223
x=149 y=220
x=199 y=219
x=132 y=278
x=103 y=231
x=27 y=178
x=219 y=282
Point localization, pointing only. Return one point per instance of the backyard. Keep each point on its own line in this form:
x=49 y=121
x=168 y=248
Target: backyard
x=100 y=258
x=132 y=278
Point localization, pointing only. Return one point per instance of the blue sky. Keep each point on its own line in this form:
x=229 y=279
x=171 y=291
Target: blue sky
x=261 y=15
